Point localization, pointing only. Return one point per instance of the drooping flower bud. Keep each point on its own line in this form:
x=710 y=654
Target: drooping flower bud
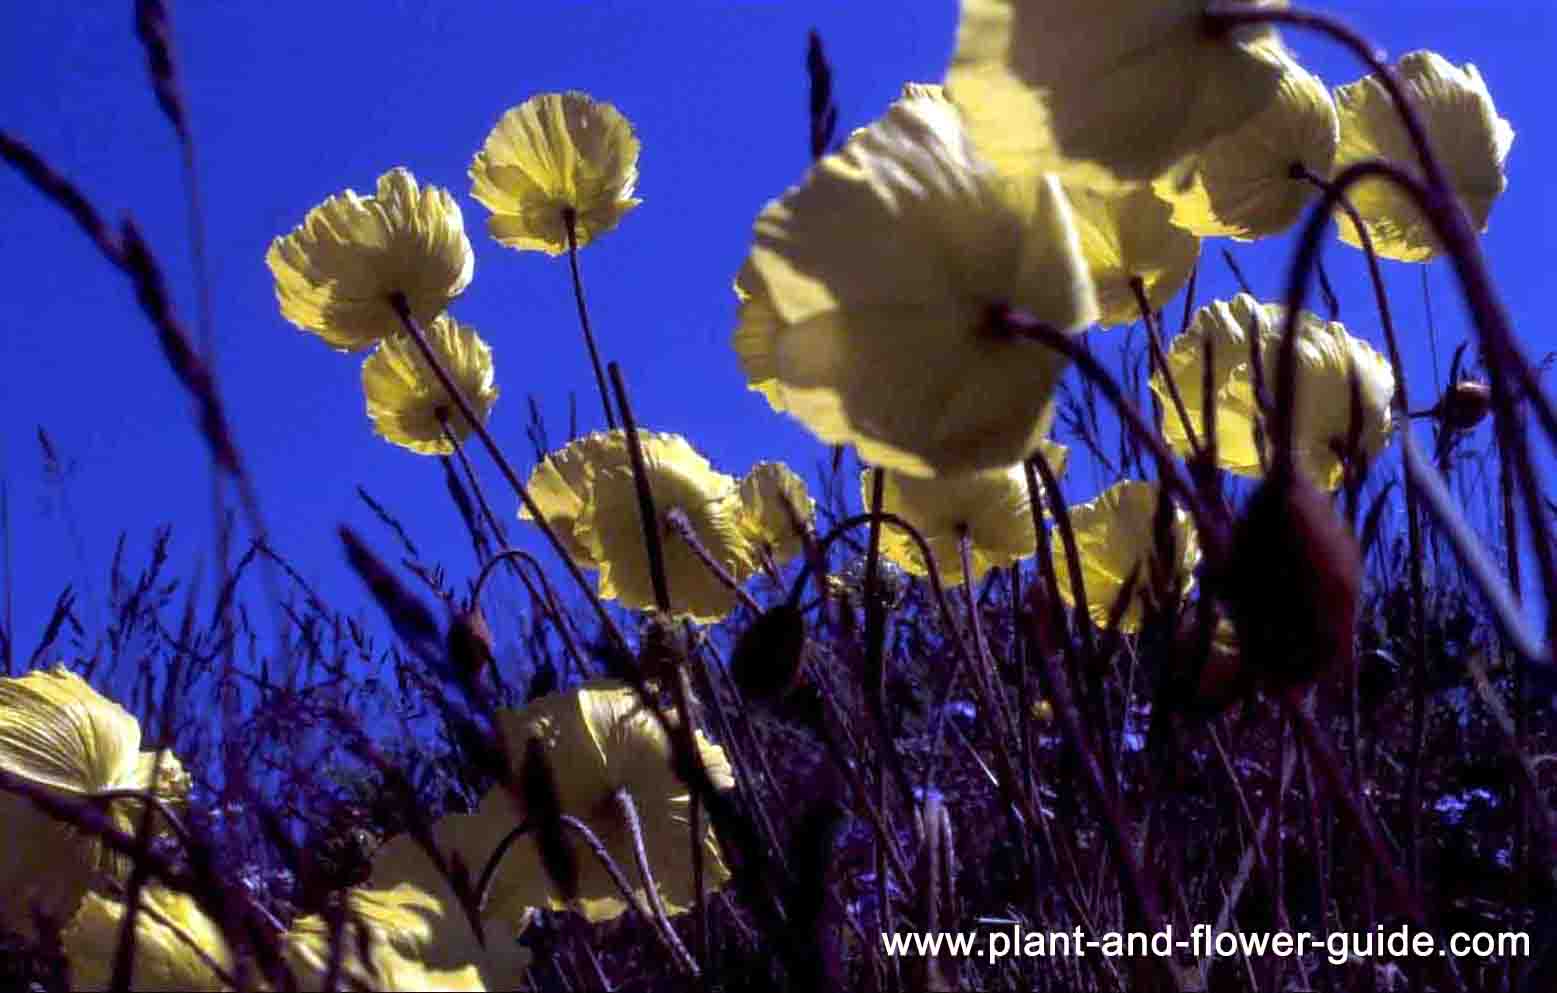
x=1464 y=405
x=768 y=655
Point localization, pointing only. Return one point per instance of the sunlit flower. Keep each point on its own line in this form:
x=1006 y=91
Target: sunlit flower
x=764 y=492
x=1240 y=185
x=1326 y=353
x=58 y=734
x=1130 y=235
x=1102 y=93
x=991 y=507
x=600 y=740
x=177 y=947
x=336 y=272
x=587 y=489
x=405 y=398
x=553 y=154
x=874 y=288
x=1116 y=537
x=385 y=943
x=1469 y=138
x=517 y=887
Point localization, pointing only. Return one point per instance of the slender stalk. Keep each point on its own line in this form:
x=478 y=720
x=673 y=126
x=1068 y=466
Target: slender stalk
x=651 y=889
x=570 y=222
x=672 y=945
x=1160 y=362
x=403 y=310
x=681 y=526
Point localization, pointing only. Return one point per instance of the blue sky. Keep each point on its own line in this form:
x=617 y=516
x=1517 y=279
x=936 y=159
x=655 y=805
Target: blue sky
x=292 y=102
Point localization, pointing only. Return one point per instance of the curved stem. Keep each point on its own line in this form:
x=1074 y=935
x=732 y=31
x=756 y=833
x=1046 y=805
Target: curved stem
x=489 y=871
x=403 y=310
x=570 y=222
x=548 y=601
x=651 y=889
x=1160 y=360
x=619 y=878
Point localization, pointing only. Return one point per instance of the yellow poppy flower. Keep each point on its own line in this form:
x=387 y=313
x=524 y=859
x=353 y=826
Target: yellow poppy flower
x=335 y=273
x=763 y=517
x=588 y=488
x=1107 y=95
x=599 y=739
x=1325 y=352
x=556 y=152
x=1240 y=185
x=385 y=939
x=517 y=887
x=403 y=393
x=57 y=733
x=873 y=288
x=177 y=947
x=1470 y=139
x=1115 y=538
x=1128 y=235
x=992 y=506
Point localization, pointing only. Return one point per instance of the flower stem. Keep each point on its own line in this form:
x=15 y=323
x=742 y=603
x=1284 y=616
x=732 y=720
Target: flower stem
x=570 y=221
x=403 y=310
x=651 y=889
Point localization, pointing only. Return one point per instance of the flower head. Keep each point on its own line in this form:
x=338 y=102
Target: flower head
x=765 y=491
x=600 y=740
x=386 y=938
x=587 y=490
x=177 y=947
x=1240 y=185
x=871 y=290
x=1116 y=537
x=991 y=507
x=1127 y=236
x=1469 y=138
x=337 y=271
x=405 y=399
x=556 y=154
x=60 y=735
x=1104 y=94
x=1327 y=355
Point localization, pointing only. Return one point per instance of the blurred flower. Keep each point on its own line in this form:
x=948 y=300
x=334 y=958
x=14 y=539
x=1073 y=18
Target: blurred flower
x=992 y=507
x=177 y=947
x=385 y=937
x=1240 y=184
x=555 y=153
x=588 y=488
x=1129 y=235
x=764 y=492
x=1326 y=355
x=874 y=290
x=1116 y=537
x=57 y=733
x=335 y=273
x=404 y=395
x=1470 y=139
x=1104 y=94
x=599 y=740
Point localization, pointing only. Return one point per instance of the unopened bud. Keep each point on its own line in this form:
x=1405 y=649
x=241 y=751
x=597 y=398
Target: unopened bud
x=1465 y=405
x=1294 y=582
x=470 y=644
x=768 y=655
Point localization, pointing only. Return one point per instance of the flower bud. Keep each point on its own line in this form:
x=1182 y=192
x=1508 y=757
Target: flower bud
x=768 y=655
x=1293 y=583
x=1465 y=405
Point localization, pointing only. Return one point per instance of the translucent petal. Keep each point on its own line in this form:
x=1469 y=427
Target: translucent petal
x=871 y=288
x=1470 y=140
x=552 y=153
x=1131 y=235
x=599 y=739
x=177 y=947
x=1115 y=537
x=1240 y=185
x=404 y=396
x=992 y=506
x=1106 y=95
x=336 y=271
x=764 y=492
x=384 y=939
